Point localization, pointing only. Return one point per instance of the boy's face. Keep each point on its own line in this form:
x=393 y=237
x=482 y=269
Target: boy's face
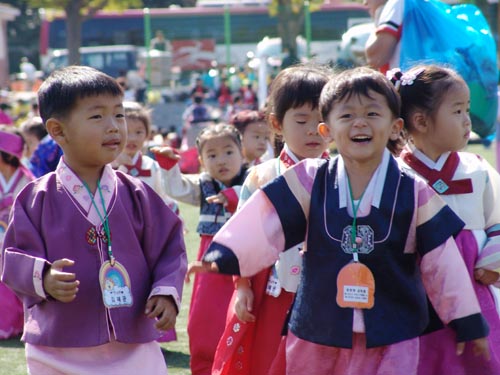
x=222 y=159
x=361 y=127
x=300 y=131
x=94 y=133
x=255 y=140
x=136 y=136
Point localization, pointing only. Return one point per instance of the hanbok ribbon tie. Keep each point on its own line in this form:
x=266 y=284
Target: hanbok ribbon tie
x=136 y=170
x=440 y=181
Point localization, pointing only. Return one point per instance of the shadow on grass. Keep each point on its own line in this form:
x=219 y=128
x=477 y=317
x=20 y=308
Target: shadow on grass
x=176 y=359
x=14 y=342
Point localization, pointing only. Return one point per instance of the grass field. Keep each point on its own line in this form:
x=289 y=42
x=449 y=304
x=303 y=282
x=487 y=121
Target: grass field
x=12 y=360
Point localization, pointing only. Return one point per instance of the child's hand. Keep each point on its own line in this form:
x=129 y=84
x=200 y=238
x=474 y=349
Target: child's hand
x=164 y=310
x=486 y=277
x=200 y=267
x=165 y=151
x=244 y=303
x=219 y=199
x=61 y=286
x=480 y=348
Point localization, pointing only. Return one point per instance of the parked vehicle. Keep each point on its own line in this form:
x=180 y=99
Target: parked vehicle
x=111 y=60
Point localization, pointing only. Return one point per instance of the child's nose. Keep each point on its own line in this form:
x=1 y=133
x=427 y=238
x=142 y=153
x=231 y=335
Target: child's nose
x=113 y=125
x=359 y=121
x=313 y=130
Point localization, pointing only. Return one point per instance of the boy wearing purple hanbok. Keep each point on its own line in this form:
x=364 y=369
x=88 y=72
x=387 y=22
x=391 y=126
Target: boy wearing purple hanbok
x=96 y=256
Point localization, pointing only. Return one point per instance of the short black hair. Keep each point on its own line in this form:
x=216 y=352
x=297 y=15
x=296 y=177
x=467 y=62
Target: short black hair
x=60 y=92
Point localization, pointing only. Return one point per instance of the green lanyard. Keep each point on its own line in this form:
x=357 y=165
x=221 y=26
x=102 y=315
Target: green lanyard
x=355 y=241
x=104 y=218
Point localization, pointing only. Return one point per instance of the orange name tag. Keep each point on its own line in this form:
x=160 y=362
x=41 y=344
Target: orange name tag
x=355 y=286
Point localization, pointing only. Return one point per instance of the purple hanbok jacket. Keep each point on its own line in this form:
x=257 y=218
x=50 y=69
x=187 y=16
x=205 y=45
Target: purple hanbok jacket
x=46 y=225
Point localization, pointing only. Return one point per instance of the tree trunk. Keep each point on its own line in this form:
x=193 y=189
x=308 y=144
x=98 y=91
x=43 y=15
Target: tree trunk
x=73 y=31
x=290 y=25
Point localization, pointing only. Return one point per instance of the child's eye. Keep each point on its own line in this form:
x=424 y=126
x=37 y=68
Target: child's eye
x=345 y=116
x=120 y=115
x=95 y=117
x=372 y=114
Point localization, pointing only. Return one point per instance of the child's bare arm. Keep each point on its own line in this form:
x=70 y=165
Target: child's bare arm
x=163 y=309
x=60 y=285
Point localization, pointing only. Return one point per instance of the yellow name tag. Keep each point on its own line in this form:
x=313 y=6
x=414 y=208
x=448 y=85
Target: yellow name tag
x=355 y=286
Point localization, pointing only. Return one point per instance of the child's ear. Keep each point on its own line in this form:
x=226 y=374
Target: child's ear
x=55 y=128
x=397 y=126
x=275 y=124
x=419 y=122
x=200 y=159
x=324 y=131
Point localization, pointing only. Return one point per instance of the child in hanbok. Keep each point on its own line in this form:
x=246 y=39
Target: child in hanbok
x=96 y=256
x=132 y=160
x=216 y=191
x=260 y=304
x=377 y=241
x=254 y=135
x=13 y=177
x=435 y=109
x=135 y=163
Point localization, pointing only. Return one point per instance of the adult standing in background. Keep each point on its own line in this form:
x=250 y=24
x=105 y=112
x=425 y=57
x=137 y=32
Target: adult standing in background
x=160 y=43
x=383 y=46
x=29 y=71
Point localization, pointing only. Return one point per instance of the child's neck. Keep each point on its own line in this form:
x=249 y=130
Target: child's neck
x=89 y=176
x=7 y=171
x=360 y=175
x=428 y=150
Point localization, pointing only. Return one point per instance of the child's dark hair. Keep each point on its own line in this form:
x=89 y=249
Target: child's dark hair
x=428 y=88
x=246 y=117
x=359 y=82
x=62 y=89
x=35 y=127
x=7 y=158
x=217 y=131
x=295 y=86
x=136 y=111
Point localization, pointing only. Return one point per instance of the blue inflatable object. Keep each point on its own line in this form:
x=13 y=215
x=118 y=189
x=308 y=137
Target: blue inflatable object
x=459 y=37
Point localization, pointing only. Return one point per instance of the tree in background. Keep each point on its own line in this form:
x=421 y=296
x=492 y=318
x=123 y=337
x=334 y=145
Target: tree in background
x=77 y=11
x=290 y=15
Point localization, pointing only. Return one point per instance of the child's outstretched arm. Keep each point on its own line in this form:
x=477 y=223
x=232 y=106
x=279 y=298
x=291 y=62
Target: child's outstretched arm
x=60 y=285
x=199 y=266
x=185 y=188
x=164 y=309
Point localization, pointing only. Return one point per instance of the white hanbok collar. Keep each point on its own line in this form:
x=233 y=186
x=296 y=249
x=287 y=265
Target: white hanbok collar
x=374 y=190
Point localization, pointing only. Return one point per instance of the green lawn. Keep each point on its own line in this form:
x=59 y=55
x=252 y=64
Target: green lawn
x=176 y=353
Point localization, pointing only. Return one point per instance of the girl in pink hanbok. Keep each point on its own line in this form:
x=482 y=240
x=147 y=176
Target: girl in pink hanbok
x=260 y=304
x=435 y=108
x=13 y=177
